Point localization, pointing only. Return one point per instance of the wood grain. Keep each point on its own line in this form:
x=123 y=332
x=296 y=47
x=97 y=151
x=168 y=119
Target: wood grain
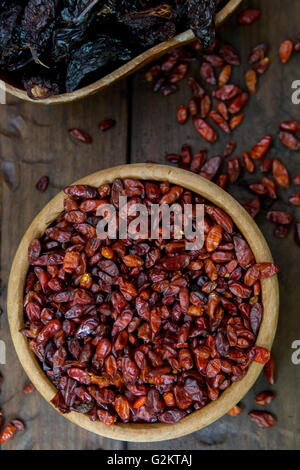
x=28 y=150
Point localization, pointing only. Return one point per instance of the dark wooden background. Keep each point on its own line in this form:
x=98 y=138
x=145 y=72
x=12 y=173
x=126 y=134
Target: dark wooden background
x=34 y=142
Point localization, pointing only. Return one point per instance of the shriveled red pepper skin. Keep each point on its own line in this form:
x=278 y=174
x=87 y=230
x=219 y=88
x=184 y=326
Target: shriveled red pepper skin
x=116 y=323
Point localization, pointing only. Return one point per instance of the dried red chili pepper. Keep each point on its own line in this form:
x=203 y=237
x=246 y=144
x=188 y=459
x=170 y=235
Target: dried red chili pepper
x=222 y=181
x=19 y=425
x=214 y=59
x=169 y=399
x=289 y=140
x=270 y=187
x=290 y=126
x=198 y=161
x=220 y=217
x=248 y=162
x=281 y=231
x=182 y=114
x=235 y=121
x=280 y=173
x=205 y=106
x=285 y=50
x=230 y=55
x=261 y=355
x=122 y=408
x=193 y=106
x=262 y=419
x=279 y=217
x=264 y=398
x=229 y=149
x=251 y=80
x=178 y=72
x=205 y=130
x=258 y=188
x=227 y=92
x=214 y=238
x=225 y=75
x=29 y=388
x=140 y=402
x=270 y=371
x=42 y=184
x=235 y=411
x=164 y=87
x=233 y=169
x=80 y=135
x=262 y=66
x=169 y=61
x=252 y=206
x=211 y=167
x=260 y=271
x=222 y=109
x=197 y=89
x=207 y=73
x=106 y=124
x=294 y=199
x=7 y=433
x=257 y=53
x=220 y=121
x=266 y=165
x=173 y=157
x=249 y=16
x=152 y=73
x=296 y=180
x=238 y=103
x=261 y=148
x=117 y=320
x=243 y=252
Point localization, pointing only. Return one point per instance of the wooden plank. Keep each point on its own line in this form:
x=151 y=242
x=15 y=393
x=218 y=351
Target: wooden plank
x=155 y=133
x=34 y=142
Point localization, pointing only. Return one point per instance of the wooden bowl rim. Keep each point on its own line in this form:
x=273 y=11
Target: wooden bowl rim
x=126 y=69
x=270 y=297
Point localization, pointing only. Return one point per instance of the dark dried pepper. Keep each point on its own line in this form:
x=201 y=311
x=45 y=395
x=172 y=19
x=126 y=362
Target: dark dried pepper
x=201 y=14
x=12 y=55
x=93 y=55
x=9 y=18
x=150 y=26
x=38 y=24
x=39 y=88
x=66 y=43
x=72 y=27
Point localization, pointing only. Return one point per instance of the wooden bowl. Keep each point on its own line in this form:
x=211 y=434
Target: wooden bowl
x=123 y=71
x=270 y=298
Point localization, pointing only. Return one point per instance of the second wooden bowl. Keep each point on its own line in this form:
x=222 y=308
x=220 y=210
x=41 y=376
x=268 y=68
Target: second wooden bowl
x=123 y=71
x=270 y=298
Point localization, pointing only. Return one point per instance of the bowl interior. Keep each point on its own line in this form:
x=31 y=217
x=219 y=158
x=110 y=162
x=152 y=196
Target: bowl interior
x=270 y=299
x=123 y=71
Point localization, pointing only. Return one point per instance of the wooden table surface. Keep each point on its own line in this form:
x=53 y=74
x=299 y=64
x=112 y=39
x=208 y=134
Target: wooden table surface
x=34 y=142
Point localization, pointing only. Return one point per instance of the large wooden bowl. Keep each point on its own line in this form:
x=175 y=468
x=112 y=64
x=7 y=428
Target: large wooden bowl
x=270 y=298
x=122 y=72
